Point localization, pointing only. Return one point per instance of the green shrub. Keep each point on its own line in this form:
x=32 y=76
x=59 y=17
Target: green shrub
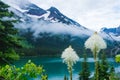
x=117 y=58
x=29 y=70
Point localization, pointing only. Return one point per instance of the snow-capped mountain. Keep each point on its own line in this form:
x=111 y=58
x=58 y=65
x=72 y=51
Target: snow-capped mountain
x=115 y=31
x=112 y=33
x=31 y=13
x=49 y=31
x=34 y=10
x=31 y=10
x=46 y=28
x=56 y=15
x=52 y=17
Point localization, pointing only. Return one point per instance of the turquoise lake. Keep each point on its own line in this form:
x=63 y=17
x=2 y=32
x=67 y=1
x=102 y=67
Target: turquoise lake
x=56 y=69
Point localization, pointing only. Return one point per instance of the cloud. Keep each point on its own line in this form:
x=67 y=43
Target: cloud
x=16 y=2
x=54 y=28
x=93 y=14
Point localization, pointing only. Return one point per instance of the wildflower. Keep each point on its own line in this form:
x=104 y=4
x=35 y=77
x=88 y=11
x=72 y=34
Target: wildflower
x=69 y=57
x=95 y=43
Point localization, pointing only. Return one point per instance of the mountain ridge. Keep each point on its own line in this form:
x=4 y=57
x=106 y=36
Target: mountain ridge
x=115 y=31
x=49 y=31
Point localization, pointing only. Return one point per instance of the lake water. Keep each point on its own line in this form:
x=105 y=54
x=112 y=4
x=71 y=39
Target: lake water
x=56 y=69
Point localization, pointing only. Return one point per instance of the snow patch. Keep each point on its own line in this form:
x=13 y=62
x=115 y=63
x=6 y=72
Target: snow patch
x=110 y=36
x=45 y=16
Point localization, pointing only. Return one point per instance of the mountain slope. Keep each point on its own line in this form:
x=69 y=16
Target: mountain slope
x=32 y=14
x=49 y=31
x=56 y=15
x=113 y=33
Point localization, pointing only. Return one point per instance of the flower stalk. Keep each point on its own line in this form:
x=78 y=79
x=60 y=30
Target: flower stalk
x=69 y=57
x=95 y=43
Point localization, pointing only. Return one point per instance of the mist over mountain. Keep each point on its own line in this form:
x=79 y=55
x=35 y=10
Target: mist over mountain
x=50 y=32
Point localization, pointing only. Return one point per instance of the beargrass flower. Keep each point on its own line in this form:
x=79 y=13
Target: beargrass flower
x=69 y=57
x=95 y=43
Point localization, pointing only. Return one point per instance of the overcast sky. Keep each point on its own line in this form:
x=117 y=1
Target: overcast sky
x=93 y=14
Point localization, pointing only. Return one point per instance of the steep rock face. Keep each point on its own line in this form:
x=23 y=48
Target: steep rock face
x=56 y=15
x=34 y=10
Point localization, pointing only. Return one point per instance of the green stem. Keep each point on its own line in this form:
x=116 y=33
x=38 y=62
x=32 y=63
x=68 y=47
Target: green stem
x=96 y=71
x=70 y=70
x=96 y=64
x=71 y=73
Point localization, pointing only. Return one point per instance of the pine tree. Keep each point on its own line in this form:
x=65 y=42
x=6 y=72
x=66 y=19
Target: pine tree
x=103 y=68
x=9 y=39
x=85 y=73
x=112 y=74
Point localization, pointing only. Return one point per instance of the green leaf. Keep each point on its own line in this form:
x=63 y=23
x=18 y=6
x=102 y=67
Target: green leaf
x=117 y=58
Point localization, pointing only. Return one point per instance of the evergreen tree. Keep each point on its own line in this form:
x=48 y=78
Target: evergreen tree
x=9 y=40
x=85 y=73
x=112 y=73
x=103 y=68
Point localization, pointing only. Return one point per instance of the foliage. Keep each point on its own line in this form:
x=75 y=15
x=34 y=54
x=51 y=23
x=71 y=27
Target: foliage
x=85 y=73
x=112 y=74
x=117 y=58
x=9 y=39
x=29 y=70
x=103 y=68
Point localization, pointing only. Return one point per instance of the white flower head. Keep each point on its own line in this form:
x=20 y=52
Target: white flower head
x=69 y=56
x=95 y=42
